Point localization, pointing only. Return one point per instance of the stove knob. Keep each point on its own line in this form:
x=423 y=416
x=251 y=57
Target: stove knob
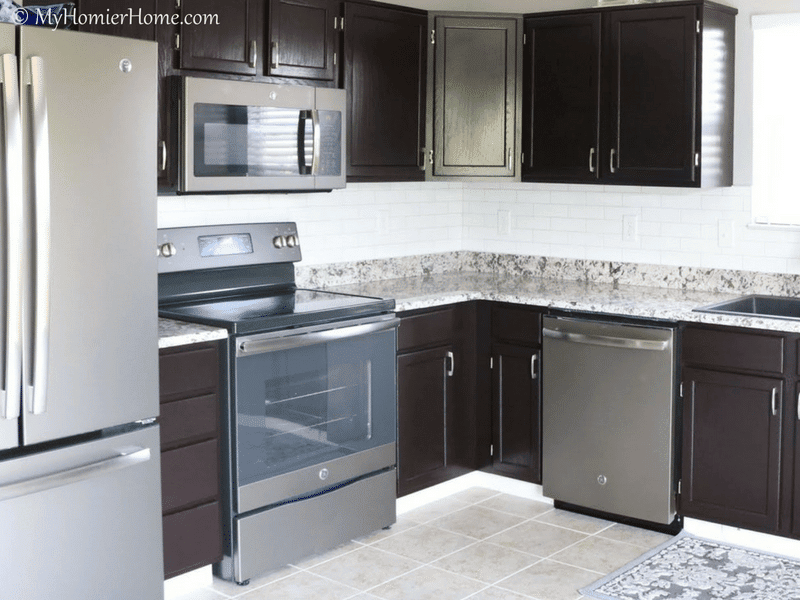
x=279 y=241
x=168 y=249
x=291 y=241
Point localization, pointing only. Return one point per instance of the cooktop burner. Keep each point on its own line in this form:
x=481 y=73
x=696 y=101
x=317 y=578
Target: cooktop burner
x=277 y=310
x=241 y=277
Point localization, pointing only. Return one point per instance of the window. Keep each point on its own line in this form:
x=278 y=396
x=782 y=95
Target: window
x=776 y=119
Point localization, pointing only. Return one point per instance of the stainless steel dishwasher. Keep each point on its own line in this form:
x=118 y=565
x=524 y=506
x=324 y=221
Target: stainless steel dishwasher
x=608 y=417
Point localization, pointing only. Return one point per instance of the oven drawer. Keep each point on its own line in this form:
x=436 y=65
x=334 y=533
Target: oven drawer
x=314 y=525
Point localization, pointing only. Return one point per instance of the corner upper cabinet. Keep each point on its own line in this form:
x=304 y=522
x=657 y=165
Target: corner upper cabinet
x=234 y=44
x=475 y=100
x=122 y=27
x=640 y=96
x=385 y=79
x=304 y=39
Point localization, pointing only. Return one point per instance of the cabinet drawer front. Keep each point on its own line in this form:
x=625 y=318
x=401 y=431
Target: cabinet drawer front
x=760 y=352
x=521 y=325
x=185 y=421
x=189 y=475
x=187 y=372
x=192 y=539
x=427 y=329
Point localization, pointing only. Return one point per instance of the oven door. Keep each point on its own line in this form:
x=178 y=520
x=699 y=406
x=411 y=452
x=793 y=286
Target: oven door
x=313 y=408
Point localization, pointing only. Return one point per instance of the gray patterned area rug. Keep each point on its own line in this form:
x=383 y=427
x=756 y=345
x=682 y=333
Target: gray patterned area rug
x=691 y=568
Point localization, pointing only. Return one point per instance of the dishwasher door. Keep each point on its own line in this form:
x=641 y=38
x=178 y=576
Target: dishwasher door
x=608 y=417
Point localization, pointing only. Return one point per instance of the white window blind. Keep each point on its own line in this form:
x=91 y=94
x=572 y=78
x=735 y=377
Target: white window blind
x=776 y=119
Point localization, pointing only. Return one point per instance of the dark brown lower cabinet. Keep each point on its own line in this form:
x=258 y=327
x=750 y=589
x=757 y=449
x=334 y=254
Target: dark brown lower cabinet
x=190 y=481
x=516 y=391
x=437 y=424
x=516 y=401
x=731 y=460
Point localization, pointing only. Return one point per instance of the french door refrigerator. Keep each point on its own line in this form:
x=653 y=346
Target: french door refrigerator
x=80 y=507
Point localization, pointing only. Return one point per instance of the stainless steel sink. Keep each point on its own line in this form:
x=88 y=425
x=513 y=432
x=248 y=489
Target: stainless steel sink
x=773 y=307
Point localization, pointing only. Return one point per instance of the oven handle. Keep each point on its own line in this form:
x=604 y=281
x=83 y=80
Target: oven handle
x=286 y=340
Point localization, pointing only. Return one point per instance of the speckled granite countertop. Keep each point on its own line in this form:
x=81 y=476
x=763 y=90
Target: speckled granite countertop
x=177 y=333
x=625 y=300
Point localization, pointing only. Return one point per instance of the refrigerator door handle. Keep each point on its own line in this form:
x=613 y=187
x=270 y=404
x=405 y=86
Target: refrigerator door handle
x=12 y=146
x=35 y=485
x=37 y=401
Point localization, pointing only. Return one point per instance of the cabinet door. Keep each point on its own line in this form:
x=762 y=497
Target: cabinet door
x=303 y=40
x=385 y=77
x=517 y=411
x=794 y=413
x=561 y=98
x=131 y=19
x=731 y=448
x=231 y=44
x=168 y=100
x=651 y=75
x=424 y=391
x=475 y=103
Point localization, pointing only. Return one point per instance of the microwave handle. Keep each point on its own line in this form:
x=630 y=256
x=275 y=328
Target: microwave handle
x=317 y=142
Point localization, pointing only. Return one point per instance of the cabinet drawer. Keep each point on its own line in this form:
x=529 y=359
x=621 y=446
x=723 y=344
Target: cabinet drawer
x=427 y=329
x=188 y=372
x=762 y=352
x=189 y=475
x=190 y=420
x=517 y=324
x=192 y=539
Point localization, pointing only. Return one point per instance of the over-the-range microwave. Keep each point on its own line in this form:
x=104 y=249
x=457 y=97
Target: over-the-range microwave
x=240 y=136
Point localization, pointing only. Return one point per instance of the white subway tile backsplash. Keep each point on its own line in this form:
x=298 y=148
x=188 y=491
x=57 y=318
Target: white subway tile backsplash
x=383 y=220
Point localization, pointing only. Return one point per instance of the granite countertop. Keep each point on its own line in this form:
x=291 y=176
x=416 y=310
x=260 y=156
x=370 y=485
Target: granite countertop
x=666 y=304
x=178 y=333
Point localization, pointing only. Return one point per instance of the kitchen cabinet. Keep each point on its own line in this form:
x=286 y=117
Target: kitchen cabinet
x=385 y=78
x=474 y=99
x=304 y=39
x=190 y=464
x=516 y=391
x=639 y=95
x=436 y=402
x=126 y=21
x=738 y=431
x=231 y=43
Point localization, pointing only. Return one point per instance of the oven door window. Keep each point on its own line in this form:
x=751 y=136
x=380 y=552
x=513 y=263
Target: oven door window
x=251 y=141
x=304 y=406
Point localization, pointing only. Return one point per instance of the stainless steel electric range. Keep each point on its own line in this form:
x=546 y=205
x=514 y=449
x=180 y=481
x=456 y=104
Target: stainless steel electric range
x=309 y=421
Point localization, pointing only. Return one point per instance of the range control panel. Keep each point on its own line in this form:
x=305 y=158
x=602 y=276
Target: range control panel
x=216 y=246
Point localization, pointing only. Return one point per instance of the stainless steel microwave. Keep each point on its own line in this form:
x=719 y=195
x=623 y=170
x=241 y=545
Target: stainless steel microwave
x=240 y=136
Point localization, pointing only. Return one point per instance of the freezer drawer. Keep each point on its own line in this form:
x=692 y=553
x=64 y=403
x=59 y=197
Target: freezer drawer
x=608 y=417
x=84 y=521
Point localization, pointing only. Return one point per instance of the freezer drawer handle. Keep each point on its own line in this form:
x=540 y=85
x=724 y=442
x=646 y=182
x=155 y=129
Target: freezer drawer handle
x=35 y=485
x=608 y=341
x=36 y=400
x=12 y=147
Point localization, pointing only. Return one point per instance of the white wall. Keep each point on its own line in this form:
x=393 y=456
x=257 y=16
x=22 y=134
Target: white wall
x=676 y=227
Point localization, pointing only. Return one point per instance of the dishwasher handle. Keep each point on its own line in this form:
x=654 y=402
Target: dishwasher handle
x=607 y=341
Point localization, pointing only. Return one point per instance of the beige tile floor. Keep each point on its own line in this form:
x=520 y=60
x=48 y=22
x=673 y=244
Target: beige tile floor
x=478 y=544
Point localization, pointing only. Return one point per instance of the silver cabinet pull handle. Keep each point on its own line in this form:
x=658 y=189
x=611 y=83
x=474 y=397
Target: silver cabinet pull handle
x=275 y=53
x=41 y=161
x=451 y=361
x=774 y=401
x=591 y=160
x=430 y=156
x=611 y=162
x=164 y=156
x=12 y=181
x=798 y=407
x=510 y=159
x=27 y=487
x=254 y=54
x=533 y=365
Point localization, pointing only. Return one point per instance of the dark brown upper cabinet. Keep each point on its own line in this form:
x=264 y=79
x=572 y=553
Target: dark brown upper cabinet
x=233 y=44
x=640 y=96
x=304 y=39
x=385 y=77
x=475 y=99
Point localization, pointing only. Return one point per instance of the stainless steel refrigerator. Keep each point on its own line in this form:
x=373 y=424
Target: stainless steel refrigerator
x=80 y=507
